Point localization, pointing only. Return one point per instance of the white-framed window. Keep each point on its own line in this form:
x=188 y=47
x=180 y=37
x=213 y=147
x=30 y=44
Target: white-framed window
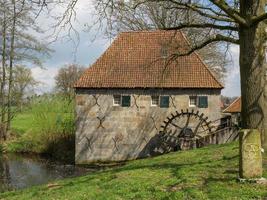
x=198 y=101
x=116 y=100
x=122 y=100
x=192 y=101
x=154 y=100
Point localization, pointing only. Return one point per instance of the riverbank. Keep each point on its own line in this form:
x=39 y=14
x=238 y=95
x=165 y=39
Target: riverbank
x=46 y=127
x=206 y=173
x=19 y=171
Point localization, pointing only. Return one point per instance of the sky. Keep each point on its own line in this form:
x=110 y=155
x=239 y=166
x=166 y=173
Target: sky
x=93 y=44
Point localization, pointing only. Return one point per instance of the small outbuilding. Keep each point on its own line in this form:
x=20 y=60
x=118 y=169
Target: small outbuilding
x=234 y=109
x=136 y=88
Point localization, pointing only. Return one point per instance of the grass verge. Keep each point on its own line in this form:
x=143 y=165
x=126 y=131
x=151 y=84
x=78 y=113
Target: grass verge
x=206 y=173
x=46 y=127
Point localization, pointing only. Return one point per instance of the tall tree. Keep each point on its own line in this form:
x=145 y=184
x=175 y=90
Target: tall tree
x=66 y=78
x=23 y=85
x=17 y=20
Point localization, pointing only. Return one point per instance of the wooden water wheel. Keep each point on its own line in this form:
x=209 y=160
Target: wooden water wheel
x=181 y=130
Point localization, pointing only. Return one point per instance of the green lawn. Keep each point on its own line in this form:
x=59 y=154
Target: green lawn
x=207 y=173
x=23 y=122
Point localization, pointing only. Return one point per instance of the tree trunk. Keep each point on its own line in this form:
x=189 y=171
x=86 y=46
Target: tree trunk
x=252 y=68
x=3 y=80
x=11 y=59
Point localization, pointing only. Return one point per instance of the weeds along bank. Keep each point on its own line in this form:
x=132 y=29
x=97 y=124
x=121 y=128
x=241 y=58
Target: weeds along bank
x=46 y=126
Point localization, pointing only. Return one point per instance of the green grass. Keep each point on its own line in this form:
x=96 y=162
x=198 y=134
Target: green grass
x=207 y=173
x=23 y=122
x=46 y=127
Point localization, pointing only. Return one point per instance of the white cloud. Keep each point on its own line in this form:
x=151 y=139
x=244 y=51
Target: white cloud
x=45 y=77
x=91 y=46
x=232 y=81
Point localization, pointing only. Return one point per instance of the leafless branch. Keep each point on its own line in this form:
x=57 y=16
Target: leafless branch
x=203 y=25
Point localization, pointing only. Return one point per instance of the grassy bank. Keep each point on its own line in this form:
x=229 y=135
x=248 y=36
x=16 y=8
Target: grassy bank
x=45 y=127
x=207 y=173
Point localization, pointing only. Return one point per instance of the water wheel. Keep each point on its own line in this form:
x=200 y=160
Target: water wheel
x=181 y=130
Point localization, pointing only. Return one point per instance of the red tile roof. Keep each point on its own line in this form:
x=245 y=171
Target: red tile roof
x=135 y=60
x=234 y=107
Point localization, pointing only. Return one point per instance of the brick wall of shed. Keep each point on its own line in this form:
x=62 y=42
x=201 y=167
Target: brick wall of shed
x=106 y=133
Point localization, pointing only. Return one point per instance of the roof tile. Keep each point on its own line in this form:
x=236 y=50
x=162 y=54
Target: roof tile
x=234 y=107
x=135 y=60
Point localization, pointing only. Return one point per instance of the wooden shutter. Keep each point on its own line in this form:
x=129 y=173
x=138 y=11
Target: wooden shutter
x=203 y=102
x=164 y=101
x=126 y=101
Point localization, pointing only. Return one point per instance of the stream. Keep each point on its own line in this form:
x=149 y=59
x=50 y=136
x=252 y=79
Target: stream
x=21 y=171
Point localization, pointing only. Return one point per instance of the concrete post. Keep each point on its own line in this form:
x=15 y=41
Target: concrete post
x=250 y=161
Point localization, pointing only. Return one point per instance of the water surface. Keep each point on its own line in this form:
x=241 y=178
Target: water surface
x=21 y=171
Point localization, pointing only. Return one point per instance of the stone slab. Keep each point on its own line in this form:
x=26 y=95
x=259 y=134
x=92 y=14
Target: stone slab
x=250 y=161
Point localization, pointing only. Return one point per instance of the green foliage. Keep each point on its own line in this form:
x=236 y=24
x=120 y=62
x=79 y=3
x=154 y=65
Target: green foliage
x=46 y=127
x=206 y=173
x=53 y=115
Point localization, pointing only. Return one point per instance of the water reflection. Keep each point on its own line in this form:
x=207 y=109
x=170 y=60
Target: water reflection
x=17 y=171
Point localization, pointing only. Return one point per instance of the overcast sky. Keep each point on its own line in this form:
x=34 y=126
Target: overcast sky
x=92 y=45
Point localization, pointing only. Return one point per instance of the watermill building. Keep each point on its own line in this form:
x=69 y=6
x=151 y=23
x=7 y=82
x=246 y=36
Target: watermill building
x=137 y=88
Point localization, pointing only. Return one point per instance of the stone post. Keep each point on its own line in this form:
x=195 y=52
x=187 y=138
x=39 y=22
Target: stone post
x=250 y=161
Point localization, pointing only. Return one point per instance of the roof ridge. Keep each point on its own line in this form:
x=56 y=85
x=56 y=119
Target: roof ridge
x=148 y=31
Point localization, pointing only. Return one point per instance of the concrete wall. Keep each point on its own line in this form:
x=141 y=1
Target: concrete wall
x=112 y=133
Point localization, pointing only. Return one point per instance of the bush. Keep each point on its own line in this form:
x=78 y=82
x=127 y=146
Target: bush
x=52 y=128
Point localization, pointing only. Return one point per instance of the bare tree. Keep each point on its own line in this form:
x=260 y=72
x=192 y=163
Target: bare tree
x=17 y=45
x=66 y=78
x=23 y=85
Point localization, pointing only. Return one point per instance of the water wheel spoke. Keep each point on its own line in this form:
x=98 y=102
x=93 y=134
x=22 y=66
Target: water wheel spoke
x=187 y=121
x=175 y=125
x=197 y=127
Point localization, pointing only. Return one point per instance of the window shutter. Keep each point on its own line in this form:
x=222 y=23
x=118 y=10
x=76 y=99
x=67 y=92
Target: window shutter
x=203 y=102
x=164 y=101
x=126 y=101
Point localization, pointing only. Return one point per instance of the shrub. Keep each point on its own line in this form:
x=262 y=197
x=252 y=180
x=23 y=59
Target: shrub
x=52 y=128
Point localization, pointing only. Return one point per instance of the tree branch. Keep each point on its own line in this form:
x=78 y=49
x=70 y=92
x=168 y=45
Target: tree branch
x=234 y=14
x=205 y=14
x=204 y=25
x=214 y=38
x=258 y=19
